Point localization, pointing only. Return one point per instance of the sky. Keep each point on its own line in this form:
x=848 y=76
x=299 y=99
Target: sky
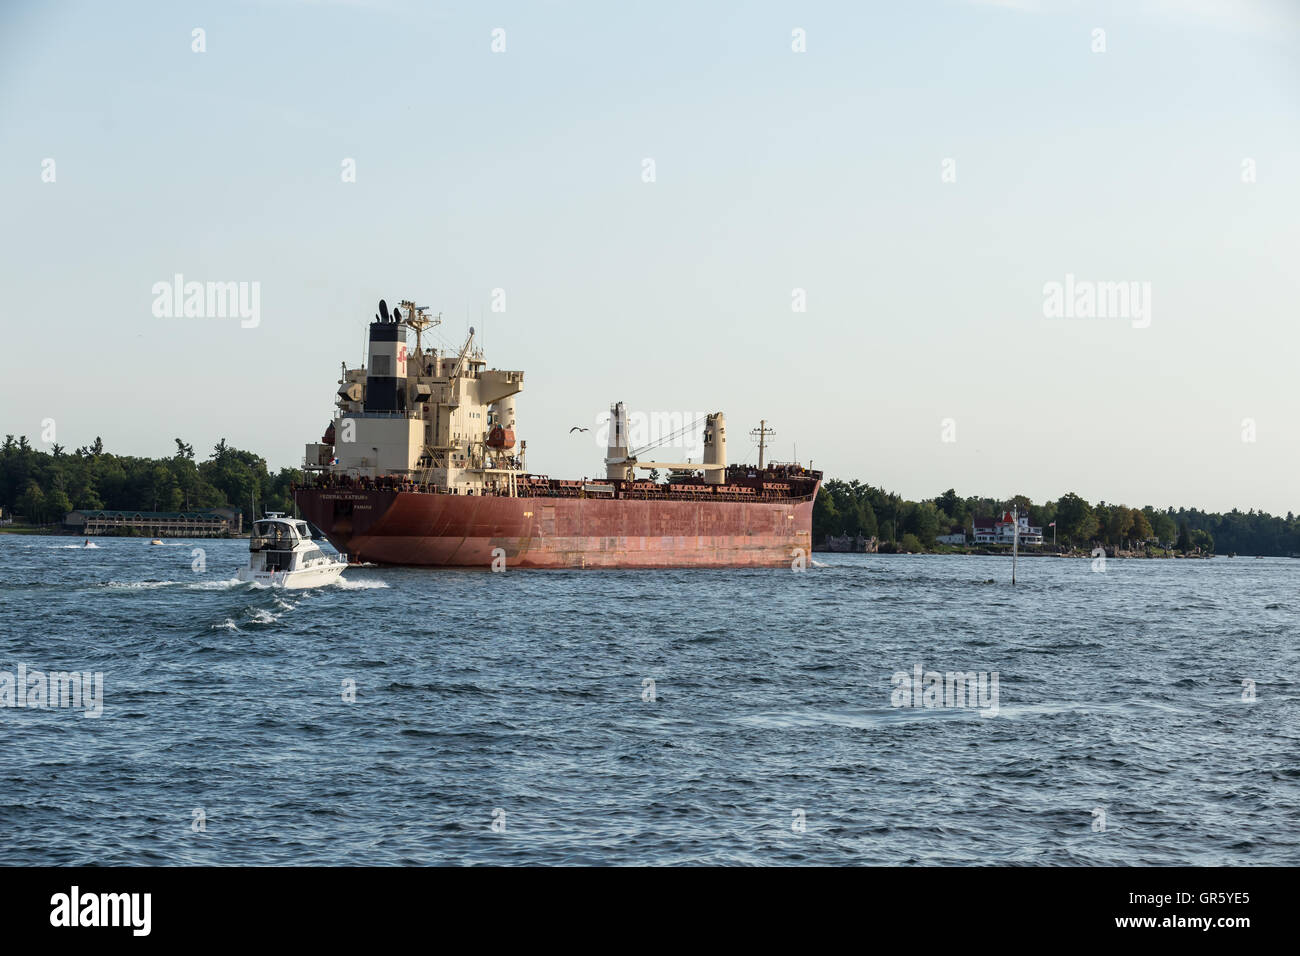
x=849 y=222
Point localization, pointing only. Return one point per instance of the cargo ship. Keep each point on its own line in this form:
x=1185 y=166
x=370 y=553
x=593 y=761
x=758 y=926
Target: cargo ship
x=421 y=465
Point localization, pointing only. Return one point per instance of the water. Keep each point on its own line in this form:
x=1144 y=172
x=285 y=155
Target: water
x=521 y=695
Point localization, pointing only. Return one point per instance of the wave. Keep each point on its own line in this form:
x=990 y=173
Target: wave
x=220 y=585
x=365 y=584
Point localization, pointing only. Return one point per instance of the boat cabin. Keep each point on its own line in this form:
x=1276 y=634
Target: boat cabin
x=276 y=540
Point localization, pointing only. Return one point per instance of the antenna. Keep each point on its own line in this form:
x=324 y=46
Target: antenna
x=762 y=433
x=418 y=318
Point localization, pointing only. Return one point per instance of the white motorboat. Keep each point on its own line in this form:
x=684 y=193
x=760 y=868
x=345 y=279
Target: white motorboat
x=281 y=553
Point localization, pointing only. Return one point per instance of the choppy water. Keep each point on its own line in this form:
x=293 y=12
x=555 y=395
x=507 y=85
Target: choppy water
x=520 y=698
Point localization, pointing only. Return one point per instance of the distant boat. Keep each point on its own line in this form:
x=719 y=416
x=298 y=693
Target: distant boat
x=156 y=541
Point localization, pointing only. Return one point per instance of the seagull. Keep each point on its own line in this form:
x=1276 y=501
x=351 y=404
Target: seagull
x=576 y=428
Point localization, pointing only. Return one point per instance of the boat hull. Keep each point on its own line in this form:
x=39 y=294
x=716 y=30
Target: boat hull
x=414 y=528
x=313 y=577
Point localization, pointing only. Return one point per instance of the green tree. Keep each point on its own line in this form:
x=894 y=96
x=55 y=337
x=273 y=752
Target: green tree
x=87 y=500
x=826 y=517
x=900 y=511
x=950 y=504
x=1075 y=519
x=923 y=521
x=32 y=503
x=1163 y=527
x=1041 y=516
x=1140 y=525
x=870 y=528
x=57 y=505
x=1119 y=520
x=1101 y=513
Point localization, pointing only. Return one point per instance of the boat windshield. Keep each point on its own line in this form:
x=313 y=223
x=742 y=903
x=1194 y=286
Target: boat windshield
x=272 y=536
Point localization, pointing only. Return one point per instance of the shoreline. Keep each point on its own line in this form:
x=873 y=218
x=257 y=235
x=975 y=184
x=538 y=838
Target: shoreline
x=1111 y=554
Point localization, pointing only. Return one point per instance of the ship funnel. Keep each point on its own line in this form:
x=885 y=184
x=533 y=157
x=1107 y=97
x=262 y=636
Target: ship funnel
x=616 y=452
x=386 y=365
x=715 y=448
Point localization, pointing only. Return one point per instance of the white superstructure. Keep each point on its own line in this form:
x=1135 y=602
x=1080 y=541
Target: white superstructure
x=430 y=416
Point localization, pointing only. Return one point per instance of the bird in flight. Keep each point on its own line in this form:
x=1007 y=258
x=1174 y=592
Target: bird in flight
x=577 y=428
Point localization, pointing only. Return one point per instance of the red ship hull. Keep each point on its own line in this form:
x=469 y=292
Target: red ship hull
x=416 y=528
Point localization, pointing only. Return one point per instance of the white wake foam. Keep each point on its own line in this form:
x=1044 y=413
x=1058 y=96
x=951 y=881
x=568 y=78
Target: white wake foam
x=219 y=585
x=366 y=584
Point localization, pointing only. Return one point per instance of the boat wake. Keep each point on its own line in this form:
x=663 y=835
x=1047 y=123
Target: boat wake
x=221 y=585
x=344 y=584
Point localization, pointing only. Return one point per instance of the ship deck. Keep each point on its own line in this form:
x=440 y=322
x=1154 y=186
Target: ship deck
x=784 y=483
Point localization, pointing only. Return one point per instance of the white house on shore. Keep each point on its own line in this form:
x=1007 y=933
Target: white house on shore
x=1003 y=530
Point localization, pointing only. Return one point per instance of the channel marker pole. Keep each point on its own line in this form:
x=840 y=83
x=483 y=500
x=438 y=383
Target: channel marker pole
x=1015 y=542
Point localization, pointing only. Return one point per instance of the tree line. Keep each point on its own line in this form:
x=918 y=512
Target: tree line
x=42 y=486
x=853 y=508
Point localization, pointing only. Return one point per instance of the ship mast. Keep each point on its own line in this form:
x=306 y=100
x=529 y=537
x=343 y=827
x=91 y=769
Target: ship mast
x=418 y=318
x=763 y=433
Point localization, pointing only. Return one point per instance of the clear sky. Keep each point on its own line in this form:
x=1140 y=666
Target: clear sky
x=774 y=170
